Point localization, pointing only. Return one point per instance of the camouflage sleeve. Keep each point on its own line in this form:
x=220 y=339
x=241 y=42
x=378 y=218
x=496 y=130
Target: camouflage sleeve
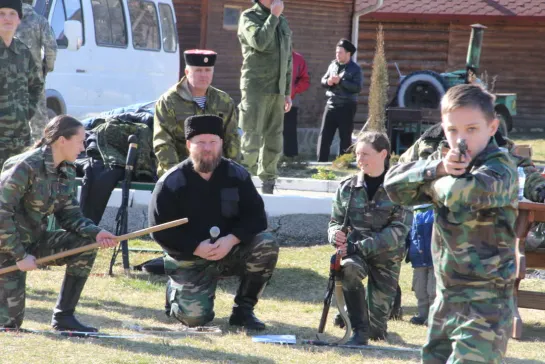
x=408 y=184
x=50 y=47
x=13 y=184
x=338 y=212
x=256 y=35
x=163 y=141
x=35 y=87
x=70 y=218
x=391 y=237
x=535 y=182
x=419 y=150
x=487 y=187
x=410 y=155
x=289 y=72
x=231 y=146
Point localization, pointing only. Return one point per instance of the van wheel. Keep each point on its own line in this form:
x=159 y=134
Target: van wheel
x=51 y=113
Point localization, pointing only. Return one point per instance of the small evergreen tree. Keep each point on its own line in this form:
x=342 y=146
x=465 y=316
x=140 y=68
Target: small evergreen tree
x=378 y=91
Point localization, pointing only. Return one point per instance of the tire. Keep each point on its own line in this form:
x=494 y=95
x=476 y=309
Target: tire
x=51 y=113
x=422 y=89
x=505 y=118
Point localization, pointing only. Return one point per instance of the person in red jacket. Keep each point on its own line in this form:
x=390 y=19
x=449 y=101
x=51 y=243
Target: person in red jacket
x=300 y=82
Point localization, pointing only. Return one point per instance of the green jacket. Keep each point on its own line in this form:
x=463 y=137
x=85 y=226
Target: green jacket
x=266 y=50
x=425 y=147
x=473 y=241
x=176 y=105
x=31 y=189
x=383 y=224
x=21 y=86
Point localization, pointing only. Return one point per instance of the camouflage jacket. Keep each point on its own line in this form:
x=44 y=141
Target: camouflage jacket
x=427 y=145
x=31 y=189
x=112 y=136
x=35 y=32
x=266 y=51
x=176 y=105
x=382 y=223
x=473 y=240
x=21 y=88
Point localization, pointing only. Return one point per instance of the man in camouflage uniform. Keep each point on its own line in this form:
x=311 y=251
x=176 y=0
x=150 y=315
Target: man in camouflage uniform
x=193 y=95
x=35 y=32
x=475 y=202
x=379 y=228
x=212 y=191
x=265 y=84
x=33 y=187
x=21 y=83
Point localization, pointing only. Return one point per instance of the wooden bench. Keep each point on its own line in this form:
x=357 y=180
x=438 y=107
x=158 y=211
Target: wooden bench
x=529 y=212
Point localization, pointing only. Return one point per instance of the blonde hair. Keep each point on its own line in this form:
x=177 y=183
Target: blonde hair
x=471 y=96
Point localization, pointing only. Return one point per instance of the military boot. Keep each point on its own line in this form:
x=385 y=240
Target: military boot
x=248 y=293
x=63 y=314
x=397 y=310
x=358 y=313
x=267 y=187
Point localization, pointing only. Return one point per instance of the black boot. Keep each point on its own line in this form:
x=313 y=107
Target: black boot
x=248 y=293
x=397 y=310
x=358 y=312
x=63 y=314
x=267 y=187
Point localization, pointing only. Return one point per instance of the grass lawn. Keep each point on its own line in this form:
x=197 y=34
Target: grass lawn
x=291 y=304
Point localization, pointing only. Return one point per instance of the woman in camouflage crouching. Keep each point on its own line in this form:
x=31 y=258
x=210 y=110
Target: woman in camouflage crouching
x=375 y=240
x=34 y=185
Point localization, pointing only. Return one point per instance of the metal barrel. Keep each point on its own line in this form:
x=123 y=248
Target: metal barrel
x=475 y=47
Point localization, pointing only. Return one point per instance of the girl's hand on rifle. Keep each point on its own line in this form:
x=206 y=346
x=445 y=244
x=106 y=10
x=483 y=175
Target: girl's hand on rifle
x=340 y=238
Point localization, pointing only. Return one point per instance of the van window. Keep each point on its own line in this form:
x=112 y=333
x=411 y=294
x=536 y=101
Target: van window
x=144 y=25
x=65 y=10
x=110 y=25
x=170 y=43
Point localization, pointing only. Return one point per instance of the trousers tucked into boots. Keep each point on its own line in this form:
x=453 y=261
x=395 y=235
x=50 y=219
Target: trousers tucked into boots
x=358 y=313
x=63 y=314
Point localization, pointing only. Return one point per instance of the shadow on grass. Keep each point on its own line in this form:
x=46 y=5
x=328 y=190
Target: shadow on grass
x=309 y=333
x=533 y=332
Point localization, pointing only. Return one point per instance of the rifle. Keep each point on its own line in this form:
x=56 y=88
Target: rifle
x=334 y=283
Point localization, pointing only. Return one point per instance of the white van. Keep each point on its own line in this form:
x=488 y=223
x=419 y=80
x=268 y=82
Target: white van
x=112 y=53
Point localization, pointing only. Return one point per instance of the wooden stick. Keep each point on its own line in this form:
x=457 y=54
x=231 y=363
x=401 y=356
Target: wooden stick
x=85 y=248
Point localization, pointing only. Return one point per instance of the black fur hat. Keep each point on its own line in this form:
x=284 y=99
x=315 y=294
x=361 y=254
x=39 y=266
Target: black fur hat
x=203 y=124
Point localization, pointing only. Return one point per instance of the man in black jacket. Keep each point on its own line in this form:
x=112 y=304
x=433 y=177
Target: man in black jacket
x=343 y=81
x=212 y=191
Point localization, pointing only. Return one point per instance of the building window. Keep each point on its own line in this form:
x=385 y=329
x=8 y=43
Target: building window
x=231 y=14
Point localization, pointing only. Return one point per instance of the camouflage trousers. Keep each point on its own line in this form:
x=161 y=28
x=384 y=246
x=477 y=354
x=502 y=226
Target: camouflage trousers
x=12 y=285
x=39 y=120
x=192 y=285
x=383 y=272
x=262 y=120
x=468 y=332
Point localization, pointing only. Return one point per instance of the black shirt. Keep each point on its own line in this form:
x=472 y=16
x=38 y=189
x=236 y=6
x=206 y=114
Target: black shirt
x=372 y=184
x=228 y=200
